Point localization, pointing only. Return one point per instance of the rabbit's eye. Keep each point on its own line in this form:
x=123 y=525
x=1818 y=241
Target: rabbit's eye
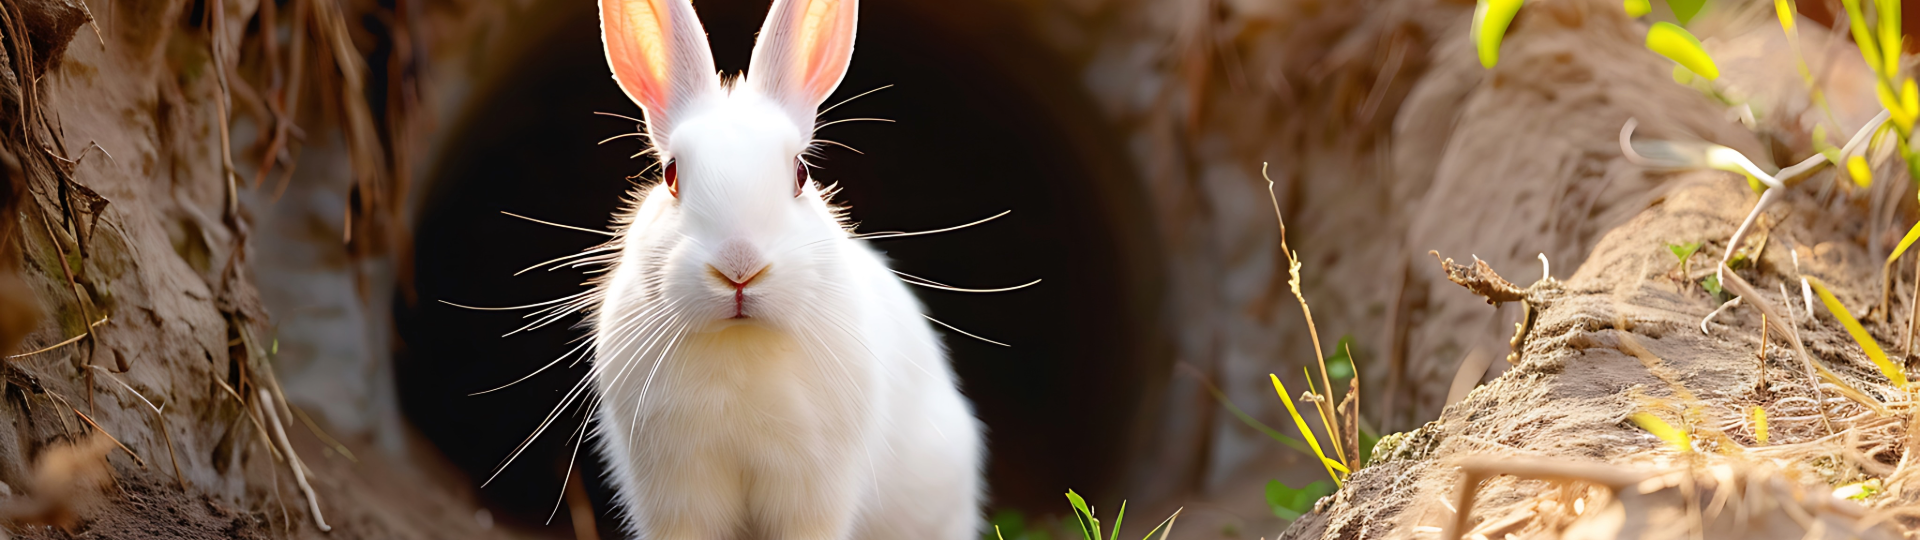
x=799 y=176
x=673 y=178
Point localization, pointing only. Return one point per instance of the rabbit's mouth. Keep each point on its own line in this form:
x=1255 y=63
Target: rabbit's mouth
x=739 y=288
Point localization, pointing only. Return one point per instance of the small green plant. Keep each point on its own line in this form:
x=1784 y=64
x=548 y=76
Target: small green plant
x=1858 y=491
x=1012 y=525
x=1342 y=418
x=1291 y=503
x=1712 y=285
x=1675 y=437
x=1090 y=525
x=1684 y=252
x=1340 y=364
x=1894 y=372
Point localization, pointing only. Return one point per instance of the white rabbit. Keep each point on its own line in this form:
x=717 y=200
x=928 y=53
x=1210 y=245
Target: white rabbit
x=760 y=373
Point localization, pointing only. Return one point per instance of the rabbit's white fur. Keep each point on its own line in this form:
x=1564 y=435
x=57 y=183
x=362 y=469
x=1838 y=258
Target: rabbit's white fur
x=813 y=401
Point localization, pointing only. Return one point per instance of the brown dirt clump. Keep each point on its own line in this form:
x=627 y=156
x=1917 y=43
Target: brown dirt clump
x=1551 y=448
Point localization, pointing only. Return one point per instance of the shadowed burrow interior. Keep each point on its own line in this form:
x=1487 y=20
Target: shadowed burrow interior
x=982 y=124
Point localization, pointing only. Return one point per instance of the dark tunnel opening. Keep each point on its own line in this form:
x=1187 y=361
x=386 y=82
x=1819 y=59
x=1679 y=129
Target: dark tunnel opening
x=983 y=125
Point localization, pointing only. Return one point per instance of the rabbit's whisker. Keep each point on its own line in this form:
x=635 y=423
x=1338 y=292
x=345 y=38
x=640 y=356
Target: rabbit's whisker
x=621 y=136
x=845 y=120
x=579 y=436
x=621 y=116
x=511 y=308
x=839 y=144
x=565 y=258
x=844 y=101
x=544 y=424
x=576 y=349
x=924 y=282
x=569 y=227
x=897 y=234
x=963 y=332
x=666 y=353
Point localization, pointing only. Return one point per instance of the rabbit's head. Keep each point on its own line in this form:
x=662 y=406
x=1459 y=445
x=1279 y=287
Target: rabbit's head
x=735 y=228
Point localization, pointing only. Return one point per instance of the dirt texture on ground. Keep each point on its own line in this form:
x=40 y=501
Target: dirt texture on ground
x=1549 y=447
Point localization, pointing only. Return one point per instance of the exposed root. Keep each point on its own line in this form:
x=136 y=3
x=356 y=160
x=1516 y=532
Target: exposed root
x=1735 y=302
x=293 y=459
x=1482 y=280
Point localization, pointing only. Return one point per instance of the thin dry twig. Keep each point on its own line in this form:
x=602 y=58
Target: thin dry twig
x=69 y=341
x=322 y=434
x=158 y=415
x=116 y=441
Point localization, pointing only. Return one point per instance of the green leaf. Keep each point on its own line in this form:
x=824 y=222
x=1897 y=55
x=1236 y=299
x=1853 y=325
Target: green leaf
x=1857 y=169
x=1340 y=363
x=1784 y=10
x=1301 y=422
x=1676 y=438
x=1867 y=344
x=1290 y=503
x=1089 y=526
x=1490 y=21
x=1117 y=518
x=1636 y=8
x=1890 y=38
x=1712 y=285
x=1857 y=22
x=1906 y=242
x=1684 y=251
x=1684 y=10
x=1679 y=45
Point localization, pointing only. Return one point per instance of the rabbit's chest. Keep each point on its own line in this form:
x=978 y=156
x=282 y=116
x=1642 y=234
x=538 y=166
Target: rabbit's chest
x=749 y=390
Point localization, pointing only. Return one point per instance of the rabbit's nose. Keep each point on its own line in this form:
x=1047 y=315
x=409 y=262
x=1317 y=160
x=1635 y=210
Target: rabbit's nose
x=738 y=263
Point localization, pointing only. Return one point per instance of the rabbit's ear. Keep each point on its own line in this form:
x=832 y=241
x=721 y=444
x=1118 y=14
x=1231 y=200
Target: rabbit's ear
x=659 y=56
x=803 y=52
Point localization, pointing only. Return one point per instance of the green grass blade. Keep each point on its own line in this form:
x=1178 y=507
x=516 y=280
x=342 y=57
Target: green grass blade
x=1117 y=518
x=1164 y=528
x=1857 y=22
x=1906 y=242
x=1889 y=14
x=1089 y=526
x=1872 y=348
x=1252 y=422
x=1666 y=432
x=1679 y=45
x=1304 y=428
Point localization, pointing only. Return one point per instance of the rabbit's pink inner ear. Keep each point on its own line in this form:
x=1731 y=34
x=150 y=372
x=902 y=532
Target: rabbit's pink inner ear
x=826 y=43
x=635 y=32
x=804 y=51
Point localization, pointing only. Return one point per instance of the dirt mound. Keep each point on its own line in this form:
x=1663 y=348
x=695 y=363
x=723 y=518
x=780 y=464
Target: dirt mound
x=1550 y=447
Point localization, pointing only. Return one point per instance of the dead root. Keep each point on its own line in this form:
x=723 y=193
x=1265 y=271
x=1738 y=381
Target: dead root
x=1482 y=280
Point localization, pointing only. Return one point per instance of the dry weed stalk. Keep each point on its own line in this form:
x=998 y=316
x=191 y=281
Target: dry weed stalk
x=1341 y=421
